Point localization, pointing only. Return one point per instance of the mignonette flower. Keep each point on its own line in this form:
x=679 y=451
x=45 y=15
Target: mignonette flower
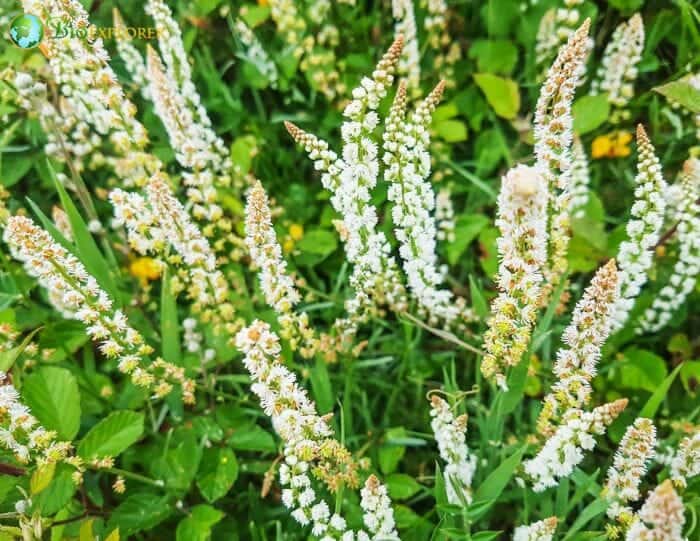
x=686 y=462
x=629 y=466
x=447 y=50
x=686 y=269
x=618 y=69
x=91 y=93
x=77 y=295
x=542 y=530
x=133 y=61
x=644 y=229
x=277 y=286
x=407 y=167
x=661 y=517
x=565 y=449
x=555 y=28
x=522 y=247
x=553 y=135
x=450 y=435
x=305 y=434
x=375 y=278
x=445 y=215
x=409 y=62
x=290 y=24
x=576 y=365
x=580 y=179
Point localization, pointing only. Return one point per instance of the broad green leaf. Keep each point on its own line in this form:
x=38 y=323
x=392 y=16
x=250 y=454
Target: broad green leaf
x=690 y=376
x=467 y=228
x=53 y=396
x=179 y=464
x=59 y=492
x=217 y=473
x=42 y=477
x=318 y=241
x=86 y=533
x=140 y=512
x=197 y=526
x=112 y=436
x=651 y=407
x=494 y=55
x=391 y=453
x=681 y=92
x=402 y=486
x=253 y=438
x=501 y=93
x=14 y=166
x=113 y=536
x=590 y=112
x=452 y=131
x=642 y=370
x=242 y=151
x=169 y=324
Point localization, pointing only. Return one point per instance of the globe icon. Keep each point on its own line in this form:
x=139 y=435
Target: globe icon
x=26 y=31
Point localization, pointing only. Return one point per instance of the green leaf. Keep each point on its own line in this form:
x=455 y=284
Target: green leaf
x=87 y=249
x=10 y=356
x=402 y=486
x=169 y=324
x=502 y=94
x=494 y=55
x=467 y=228
x=478 y=301
x=452 y=131
x=390 y=454
x=498 y=479
x=179 y=464
x=140 y=512
x=652 y=406
x=42 y=477
x=681 y=92
x=58 y=493
x=197 y=526
x=321 y=385
x=112 y=436
x=590 y=112
x=217 y=473
x=53 y=396
x=319 y=242
x=13 y=166
x=642 y=370
x=253 y=438
x=690 y=376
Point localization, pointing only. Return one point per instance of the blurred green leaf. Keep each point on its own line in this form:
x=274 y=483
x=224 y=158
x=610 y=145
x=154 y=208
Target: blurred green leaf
x=217 y=473
x=590 y=112
x=502 y=94
x=112 y=435
x=53 y=396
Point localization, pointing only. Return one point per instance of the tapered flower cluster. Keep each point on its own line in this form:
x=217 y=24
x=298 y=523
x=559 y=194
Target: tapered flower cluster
x=576 y=364
x=407 y=163
x=375 y=277
x=686 y=269
x=565 y=449
x=553 y=138
x=556 y=27
x=644 y=228
x=133 y=61
x=159 y=221
x=661 y=517
x=629 y=466
x=542 y=530
x=290 y=24
x=450 y=434
x=618 y=69
x=522 y=247
x=305 y=434
x=77 y=295
x=276 y=284
x=686 y=462
x=255 y=53
x=22 y=435
x=409 y=63
x=91 y=93
x=580 y=179
x=445 y=215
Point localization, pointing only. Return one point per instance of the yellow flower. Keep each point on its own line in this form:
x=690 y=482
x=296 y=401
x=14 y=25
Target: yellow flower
x=611 y=145
x=296 y=231
x=145 y=269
